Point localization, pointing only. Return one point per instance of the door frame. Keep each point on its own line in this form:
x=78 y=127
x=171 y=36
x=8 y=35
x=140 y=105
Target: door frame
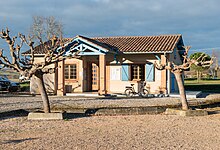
x=92 y=87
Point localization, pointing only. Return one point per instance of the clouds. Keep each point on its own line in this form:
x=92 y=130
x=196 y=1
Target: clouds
x=197 y=20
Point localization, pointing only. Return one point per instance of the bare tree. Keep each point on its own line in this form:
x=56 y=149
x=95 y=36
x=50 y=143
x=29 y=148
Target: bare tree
x=45 y=28
x=27 y=66
x=54 y=49
x=177 y=70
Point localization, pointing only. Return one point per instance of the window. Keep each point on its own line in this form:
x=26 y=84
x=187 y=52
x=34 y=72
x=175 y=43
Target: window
x=137 y=72
x=70 y=71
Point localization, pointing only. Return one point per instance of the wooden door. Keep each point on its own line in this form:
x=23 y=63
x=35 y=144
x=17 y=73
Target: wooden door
x=95 y=77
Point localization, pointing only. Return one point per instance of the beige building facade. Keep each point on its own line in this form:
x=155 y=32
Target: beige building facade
x=107 y=65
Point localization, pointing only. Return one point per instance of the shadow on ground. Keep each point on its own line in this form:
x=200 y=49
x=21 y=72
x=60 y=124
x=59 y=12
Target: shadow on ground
x=74 y=115
x=24 y=113
x=203 y=95
x=18 y=141
x=13 y=114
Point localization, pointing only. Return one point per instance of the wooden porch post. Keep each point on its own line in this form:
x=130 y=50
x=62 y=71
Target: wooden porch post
x=102 y=75
x=163 y=76
x=61 y=80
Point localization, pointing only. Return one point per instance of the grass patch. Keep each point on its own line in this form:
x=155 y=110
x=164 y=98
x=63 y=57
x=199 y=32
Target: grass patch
x=206 y=86
x=25 y=86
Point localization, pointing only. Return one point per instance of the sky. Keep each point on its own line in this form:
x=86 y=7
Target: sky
x=197 y=20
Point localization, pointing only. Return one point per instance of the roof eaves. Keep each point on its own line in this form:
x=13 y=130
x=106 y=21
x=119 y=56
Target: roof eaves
x=34 y=55
x=153 y=52
x=179 y=38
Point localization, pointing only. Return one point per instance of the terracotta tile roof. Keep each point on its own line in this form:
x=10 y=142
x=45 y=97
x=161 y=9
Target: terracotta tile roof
x=129 y=44
x=39 y=49
x=161 y=43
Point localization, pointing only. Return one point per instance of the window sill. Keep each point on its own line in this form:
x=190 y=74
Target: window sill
x=71 y=80
x=135 y=80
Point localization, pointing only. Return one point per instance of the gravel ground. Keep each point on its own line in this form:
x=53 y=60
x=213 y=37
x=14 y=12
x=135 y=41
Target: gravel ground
x=106 y=132
x=28 y=102
x=112 y=132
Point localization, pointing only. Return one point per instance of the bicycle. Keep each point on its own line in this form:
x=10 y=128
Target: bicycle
x=130 y=91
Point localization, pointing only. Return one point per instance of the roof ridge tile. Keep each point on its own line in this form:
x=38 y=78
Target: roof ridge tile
x=141 y=36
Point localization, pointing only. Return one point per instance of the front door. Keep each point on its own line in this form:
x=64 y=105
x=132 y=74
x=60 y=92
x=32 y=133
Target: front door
x=95 y=77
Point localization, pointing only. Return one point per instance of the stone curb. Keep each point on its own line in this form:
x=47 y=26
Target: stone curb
x=179 y=112
x=45 y=116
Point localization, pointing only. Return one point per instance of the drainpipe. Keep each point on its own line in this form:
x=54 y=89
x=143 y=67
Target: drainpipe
x=168 y=82
x=167 y=74
x=167 y=77
x=158 y=58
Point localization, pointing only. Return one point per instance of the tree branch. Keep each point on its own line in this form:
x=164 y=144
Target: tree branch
x=11 y=41
x=30 y=44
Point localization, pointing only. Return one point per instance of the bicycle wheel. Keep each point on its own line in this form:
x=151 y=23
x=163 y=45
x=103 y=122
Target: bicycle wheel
x=128 y=93
x=144 y=93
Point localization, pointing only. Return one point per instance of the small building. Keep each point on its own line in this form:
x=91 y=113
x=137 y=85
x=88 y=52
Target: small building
x=108 y=64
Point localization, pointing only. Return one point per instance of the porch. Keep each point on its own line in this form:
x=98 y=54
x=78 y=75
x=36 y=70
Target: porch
x=86 y=72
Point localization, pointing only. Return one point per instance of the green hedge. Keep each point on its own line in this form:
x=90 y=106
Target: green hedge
x=208 y=88
x=208 y=79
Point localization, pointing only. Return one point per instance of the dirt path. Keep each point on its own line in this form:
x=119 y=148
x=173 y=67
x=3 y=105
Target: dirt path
x=112 y=132
x=106 y=132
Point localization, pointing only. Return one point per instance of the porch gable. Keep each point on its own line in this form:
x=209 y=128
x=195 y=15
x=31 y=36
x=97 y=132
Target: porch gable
x=84 y=48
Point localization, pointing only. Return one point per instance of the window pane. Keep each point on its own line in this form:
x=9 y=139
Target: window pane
x=73 y=71
x=141 y=72
x=70 y=71
x=137 y=72
x=66 y=72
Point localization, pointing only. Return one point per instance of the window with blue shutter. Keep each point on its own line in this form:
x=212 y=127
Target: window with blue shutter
x=149 y=72
x=125 y=73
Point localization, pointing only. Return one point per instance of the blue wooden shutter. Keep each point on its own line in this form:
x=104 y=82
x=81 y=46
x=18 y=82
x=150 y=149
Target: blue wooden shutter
x=149 y=72
x=172 y=82
x=125 y=73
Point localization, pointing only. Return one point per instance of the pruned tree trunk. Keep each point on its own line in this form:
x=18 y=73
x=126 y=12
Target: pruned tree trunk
x=177 y=70
x=198 y=76
x=178 y=76
x=42 y=90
